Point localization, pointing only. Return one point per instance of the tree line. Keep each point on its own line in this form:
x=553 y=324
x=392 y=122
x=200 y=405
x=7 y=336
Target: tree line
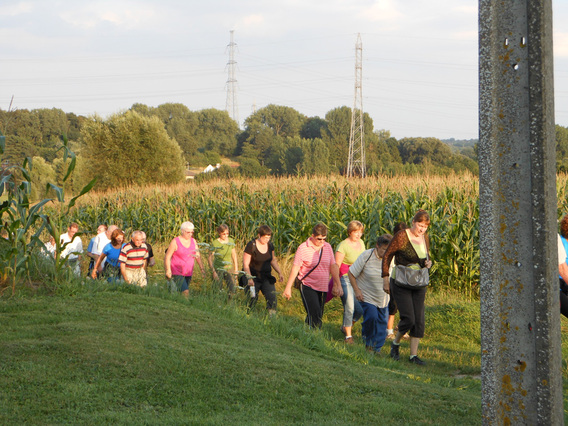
x=156 y=144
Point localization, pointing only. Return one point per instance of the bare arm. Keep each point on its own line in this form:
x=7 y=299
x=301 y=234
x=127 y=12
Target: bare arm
x=98 y=265
x=274 y=264
x=339 y=257
x=246 y=267
x=168 y=259
x=337 y=290
x=356 y=289
x=293 y=274
x=235 y=260
x=123 y=272
x=200 y=263
x=563 y=271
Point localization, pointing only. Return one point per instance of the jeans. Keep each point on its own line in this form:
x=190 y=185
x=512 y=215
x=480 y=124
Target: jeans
x=352 y=310
x=374 y=327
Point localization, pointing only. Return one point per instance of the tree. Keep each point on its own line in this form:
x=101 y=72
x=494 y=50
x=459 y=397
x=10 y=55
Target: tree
x=561 y=149
x=269 y=126
x=314 y=127
x=216 y=131
x=53 y=124
x=42 y=173
x=130 y=149
x=250 y=167
x=337 y=136
x=180 y=123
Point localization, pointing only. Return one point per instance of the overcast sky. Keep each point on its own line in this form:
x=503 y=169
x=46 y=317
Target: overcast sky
x=420 y=67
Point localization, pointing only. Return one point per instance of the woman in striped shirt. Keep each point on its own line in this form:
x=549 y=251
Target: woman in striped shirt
x=313 y=263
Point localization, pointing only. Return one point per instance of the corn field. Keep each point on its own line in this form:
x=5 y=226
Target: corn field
x=291 y=206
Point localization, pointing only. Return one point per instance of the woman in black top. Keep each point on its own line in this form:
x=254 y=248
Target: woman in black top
x=258 y=261
x=409 y=247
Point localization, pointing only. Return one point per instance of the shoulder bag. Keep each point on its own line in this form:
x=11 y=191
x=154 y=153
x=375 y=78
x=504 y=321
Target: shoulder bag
x=297 y=282
x=407 y=277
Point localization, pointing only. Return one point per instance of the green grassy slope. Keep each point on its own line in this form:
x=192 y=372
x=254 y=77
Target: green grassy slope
x=122 y=357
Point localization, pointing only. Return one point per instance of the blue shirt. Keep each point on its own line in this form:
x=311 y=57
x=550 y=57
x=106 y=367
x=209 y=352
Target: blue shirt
x=112 y=254
x=91 y=244
x=565 y=244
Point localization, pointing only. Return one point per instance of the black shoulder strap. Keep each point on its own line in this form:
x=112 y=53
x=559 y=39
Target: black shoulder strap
x=319 y=260
x=372 y=251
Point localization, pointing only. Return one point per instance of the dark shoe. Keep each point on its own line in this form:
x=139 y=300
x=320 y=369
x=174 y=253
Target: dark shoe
x=395 y=354
x=343 y=330
x=373 y=350
x=417 y=361
x=349 y=340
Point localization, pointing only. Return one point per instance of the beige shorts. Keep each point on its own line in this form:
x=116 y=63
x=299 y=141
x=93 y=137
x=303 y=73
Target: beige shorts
x=136 y=276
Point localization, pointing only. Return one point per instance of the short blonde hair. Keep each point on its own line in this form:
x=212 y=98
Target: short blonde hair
x=355 y=225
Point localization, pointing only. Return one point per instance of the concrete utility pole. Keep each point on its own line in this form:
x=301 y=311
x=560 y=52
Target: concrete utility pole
x=356 y=160
x=231 y=105
x=520 y=318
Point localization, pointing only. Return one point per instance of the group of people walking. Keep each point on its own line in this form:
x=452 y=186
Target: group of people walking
x=393 y=273
x=372 y=283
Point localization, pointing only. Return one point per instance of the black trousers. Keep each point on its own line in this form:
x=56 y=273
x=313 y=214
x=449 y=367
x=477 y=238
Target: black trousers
x=410 y=303
x=563 y=298
x=314 y=302
x=268 y=290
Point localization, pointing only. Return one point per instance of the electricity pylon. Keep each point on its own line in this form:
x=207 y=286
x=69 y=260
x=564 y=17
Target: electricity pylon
x=231 y=105
x=356 y=161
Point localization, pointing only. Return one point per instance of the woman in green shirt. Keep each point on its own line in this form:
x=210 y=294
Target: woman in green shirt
x=347 y=253
x=223 y=260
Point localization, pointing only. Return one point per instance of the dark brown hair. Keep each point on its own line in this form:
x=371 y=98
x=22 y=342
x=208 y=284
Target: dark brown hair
x=320 y=229
x=264 y=230
x=114 y=236
x=421 y=217
x=399 y=227
x=222 y=228
x=384 y=240
x=564 y=226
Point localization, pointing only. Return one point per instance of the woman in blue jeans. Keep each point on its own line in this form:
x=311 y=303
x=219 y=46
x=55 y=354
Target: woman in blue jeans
x=347 y=253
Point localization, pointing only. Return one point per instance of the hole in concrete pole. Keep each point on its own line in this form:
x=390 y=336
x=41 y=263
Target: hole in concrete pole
x=515 y=67
x=523 y=41
x=506 y=42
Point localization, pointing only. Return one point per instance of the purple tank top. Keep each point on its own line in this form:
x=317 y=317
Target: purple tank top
x=183 y=259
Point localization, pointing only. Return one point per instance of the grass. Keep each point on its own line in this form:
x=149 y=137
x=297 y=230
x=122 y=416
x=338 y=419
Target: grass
x=123 y=355
x=99 y=354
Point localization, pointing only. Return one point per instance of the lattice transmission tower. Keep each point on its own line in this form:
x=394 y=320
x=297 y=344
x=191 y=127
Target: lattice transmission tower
x=231 y=105
x=356 y=161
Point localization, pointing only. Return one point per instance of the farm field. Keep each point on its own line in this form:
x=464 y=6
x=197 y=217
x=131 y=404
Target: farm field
x=86 y=352
x=291 y=206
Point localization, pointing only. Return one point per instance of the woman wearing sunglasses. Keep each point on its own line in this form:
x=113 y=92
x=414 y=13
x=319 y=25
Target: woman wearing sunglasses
x=313 y=263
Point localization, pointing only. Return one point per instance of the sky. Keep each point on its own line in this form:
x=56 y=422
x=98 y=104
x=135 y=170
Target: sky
x=419 y=66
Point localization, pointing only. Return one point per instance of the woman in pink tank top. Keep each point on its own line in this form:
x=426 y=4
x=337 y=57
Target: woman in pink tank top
x=180 y=258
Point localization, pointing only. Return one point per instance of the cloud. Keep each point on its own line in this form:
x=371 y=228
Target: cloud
x=251 y=21
x=15 y=9
x=125 y=15
x=381 y=11
x=560 y=45
x=467 y=9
